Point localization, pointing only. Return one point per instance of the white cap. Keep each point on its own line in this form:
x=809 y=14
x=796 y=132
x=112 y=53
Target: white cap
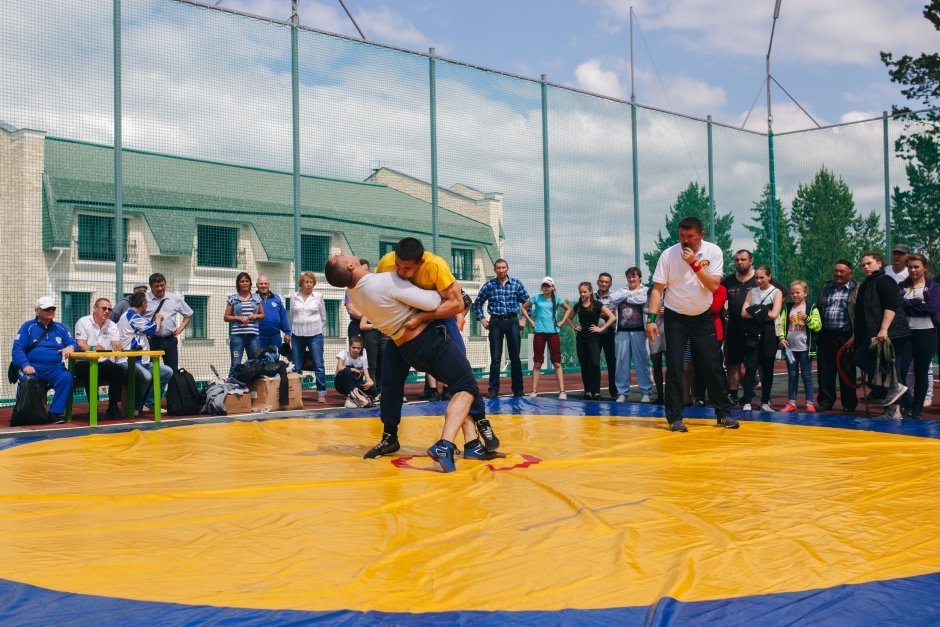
x=548 y=280
x=45 y=302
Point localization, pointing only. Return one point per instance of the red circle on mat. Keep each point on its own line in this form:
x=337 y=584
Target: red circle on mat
x=528 y=460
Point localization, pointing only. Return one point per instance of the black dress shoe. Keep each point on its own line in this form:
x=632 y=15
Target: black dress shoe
x=56 y=419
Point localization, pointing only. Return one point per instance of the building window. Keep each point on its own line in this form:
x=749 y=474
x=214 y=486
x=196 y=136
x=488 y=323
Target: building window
x=197 y=328
x=96 y=238
x=216 y=246
x=386 y=248
x=314 y=252
x=462 y=263
x=331 y=328
x=75 y=305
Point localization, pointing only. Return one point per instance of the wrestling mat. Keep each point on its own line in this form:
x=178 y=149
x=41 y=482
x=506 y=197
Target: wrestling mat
x=597 y=515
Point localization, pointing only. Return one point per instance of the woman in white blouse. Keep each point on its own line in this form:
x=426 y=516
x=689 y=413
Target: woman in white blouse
x=307 y=321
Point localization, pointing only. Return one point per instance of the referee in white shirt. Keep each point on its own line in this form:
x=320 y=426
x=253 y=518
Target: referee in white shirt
x=691 y=270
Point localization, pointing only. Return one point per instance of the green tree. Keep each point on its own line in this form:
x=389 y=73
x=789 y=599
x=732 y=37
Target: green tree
x=692 y=201
x=787 y=265
x=916 y=211
x=916 y=219
x=828 y=227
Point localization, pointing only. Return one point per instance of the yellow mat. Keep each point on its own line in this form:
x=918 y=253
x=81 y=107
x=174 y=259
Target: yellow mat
x=585 y=512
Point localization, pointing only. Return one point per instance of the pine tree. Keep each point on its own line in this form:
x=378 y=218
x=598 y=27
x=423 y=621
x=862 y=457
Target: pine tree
x=787 y=266
x=692 y=201
x=916 y=211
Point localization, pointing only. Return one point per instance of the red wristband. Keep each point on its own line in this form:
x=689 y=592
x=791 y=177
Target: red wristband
x=696 y=265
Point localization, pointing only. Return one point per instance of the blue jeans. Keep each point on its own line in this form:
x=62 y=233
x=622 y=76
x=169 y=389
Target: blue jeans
x=143 y=392
x=298 y=344
x=238 y=344
x=802 y=366
x=632 y=344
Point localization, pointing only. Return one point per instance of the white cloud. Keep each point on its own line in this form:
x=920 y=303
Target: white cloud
x=832 y=32
x=591 y=76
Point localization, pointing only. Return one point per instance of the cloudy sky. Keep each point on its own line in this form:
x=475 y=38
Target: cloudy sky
x=699 y=57
x=212 y=85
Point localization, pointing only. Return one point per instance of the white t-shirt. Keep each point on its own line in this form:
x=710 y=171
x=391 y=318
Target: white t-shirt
x=899 y=277
x=359 y=363
x=686 y=294
x=388 y=300
x=101 y=337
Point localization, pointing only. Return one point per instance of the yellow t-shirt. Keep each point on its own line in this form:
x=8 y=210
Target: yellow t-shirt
x=433 y=273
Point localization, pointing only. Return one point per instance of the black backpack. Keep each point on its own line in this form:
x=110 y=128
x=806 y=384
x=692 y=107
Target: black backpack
x=30 y=406
x=182 y=397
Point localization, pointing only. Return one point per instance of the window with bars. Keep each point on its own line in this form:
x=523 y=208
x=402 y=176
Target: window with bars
x=198 y=326
x=314 y=252
x=96 y=237
x=461 y=262
x=75 y=305
x=216 y=246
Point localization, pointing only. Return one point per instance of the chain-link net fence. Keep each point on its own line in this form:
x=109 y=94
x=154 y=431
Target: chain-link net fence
x=241 y=138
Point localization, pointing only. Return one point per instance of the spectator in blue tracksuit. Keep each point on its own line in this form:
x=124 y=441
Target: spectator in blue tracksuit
x=275 y=319
x=44 y=360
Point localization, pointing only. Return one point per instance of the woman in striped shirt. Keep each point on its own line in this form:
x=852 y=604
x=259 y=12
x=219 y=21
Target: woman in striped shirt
x=242 y=312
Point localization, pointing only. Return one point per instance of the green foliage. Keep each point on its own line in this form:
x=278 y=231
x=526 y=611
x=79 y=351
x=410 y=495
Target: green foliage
x=916 y=211
x=828 y=227
x=787 y=262
x=916 y=219
x=693 y=201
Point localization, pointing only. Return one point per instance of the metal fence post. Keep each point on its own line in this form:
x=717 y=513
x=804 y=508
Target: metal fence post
x=118 y=160
x=546 y=197
x=888 y=234
x=295 y=133
x=432 y=79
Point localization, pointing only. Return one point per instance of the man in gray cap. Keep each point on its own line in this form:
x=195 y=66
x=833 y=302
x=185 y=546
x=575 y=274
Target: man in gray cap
x=898 y=268
x=121 y=308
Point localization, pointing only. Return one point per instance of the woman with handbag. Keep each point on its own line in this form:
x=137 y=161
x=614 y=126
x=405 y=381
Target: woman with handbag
x=760 y=312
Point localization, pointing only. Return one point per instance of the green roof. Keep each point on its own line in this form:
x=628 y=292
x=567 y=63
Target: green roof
x=173 y=194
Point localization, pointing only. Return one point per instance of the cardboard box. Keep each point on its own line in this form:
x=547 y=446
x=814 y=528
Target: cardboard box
x=265 y=393
x=237 y=403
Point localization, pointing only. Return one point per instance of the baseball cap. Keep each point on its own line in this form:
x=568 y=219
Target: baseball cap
x=548 y=280
x=45 y=302
x=901 y=248
x=141 y=284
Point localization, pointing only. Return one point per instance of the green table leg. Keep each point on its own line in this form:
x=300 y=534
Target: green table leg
x=93 y=392
x=131 y=386
x=68 y=406
x=155 y=368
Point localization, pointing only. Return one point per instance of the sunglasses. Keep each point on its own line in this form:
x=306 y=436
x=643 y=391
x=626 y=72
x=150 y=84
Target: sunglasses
x=49 y=309
x=107 y=308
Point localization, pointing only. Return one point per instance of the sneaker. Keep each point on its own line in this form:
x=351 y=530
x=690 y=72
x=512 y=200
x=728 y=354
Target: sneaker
x=350 y=403
x=810 y=408
x=562 y=396
x=766 y=407
x=386 y=446
x=474 y=449
x=747 y=407
x=487 y=436
x=790 y=407
x=442 y=452
x=678 y=426
x=56 y=419
x=892 y=395
x=728 y=422
x=321 y=397
x=892 y=413
x=699 y=402
x=534 y=395
x=645 y=398
x=621 y=399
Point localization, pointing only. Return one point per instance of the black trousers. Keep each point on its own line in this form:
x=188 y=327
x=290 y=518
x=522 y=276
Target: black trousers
x=589 y=356
x=170 y=346
x=700 y=331
x=827 y=346
x=374 y=342
x=608 y=346
x=109 y=373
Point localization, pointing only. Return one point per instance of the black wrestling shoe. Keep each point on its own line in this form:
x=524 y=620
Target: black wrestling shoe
x=388 y=445
x=475 y=450
x=728 y=422
x=487 y=435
